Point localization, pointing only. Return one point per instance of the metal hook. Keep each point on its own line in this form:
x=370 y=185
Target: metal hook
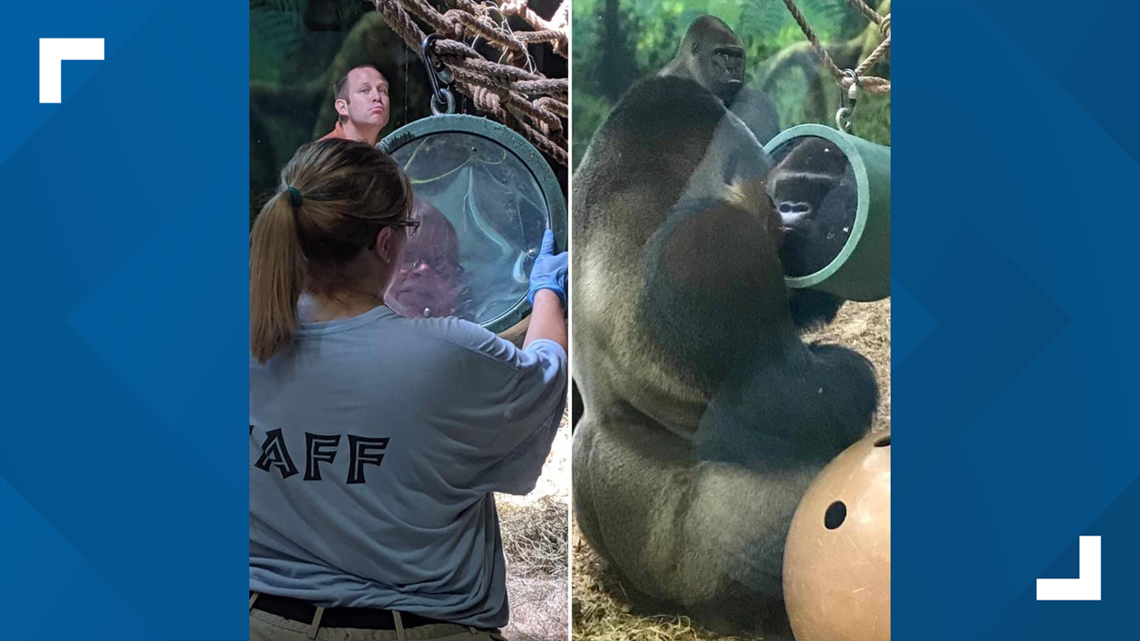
x=442 y=100
x=444 y=105
x=847 y=101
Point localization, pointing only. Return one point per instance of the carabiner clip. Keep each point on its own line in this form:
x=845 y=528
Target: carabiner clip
x=847 y=101
x=442 y=100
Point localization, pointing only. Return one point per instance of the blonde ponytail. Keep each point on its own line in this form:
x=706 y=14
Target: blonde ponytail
x=276 y=275
x=335 y=196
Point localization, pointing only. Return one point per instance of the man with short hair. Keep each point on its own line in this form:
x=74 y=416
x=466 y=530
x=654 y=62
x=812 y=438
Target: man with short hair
x=430 y=274
x=362 y=105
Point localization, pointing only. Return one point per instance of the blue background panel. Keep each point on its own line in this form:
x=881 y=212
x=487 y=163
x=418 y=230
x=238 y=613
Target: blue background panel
x=124 y=324
x=1016 y=260
x=123 y=320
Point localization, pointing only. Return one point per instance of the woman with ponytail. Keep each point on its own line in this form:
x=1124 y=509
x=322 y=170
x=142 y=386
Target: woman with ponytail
x=377 y=441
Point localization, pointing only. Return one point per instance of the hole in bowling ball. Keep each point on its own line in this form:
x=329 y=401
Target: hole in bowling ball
x=884 y=442
x=835 y=516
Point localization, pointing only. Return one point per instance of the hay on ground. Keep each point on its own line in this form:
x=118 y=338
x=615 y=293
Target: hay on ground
x=599 y=611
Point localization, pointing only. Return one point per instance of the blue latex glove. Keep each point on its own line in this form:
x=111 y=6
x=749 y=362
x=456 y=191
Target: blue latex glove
x=549 y=271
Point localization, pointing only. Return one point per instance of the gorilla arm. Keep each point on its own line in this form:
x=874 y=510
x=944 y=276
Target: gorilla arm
x=679 y=302
x=705 y=535
x=641 y=161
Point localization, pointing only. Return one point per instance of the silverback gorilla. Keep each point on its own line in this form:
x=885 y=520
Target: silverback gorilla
x=706 y=416
x=712 y=55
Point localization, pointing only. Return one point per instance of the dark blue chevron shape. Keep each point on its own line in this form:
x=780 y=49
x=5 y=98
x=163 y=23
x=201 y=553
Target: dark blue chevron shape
x=136 y=214
x=147 y=354
x=21 y=29
x=34 y=556
x=1071 y=42
x=1110 y=619
x=101 y=207
x=992 y=318
x=1015 y=225
x=910 y=322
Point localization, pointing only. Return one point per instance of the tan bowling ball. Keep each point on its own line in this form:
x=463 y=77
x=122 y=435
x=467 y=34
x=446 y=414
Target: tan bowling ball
x=837 y=562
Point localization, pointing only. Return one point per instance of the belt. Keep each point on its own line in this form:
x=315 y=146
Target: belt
x=361 y=618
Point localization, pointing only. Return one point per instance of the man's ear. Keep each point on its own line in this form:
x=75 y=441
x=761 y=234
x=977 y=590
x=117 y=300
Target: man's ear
x=341 y=106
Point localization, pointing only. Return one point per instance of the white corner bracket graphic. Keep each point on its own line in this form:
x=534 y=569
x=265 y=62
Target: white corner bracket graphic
x=1086 y=587
x=53 y=51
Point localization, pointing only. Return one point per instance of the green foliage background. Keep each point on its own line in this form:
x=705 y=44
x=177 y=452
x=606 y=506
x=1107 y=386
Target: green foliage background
x=618 y=42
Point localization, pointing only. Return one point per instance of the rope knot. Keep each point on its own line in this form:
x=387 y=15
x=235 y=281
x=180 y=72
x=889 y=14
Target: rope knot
x=454 y=25
x=885 y=26
x=501 y=88
x=486 y=99
x=513 y=7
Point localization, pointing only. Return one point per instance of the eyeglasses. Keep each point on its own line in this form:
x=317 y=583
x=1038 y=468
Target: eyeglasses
x=411 y=224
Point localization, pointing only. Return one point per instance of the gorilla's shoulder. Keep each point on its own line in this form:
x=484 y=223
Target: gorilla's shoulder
x=674 y=89
x=663 y=106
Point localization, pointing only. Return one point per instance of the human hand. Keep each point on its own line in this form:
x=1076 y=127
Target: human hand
x=549 y=271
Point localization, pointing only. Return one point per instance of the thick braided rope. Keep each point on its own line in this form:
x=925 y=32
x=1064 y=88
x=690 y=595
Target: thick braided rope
x=532 y=110
x=866 y=10
x=809 y=33
x=874 y=57
x=453 y=52
x=869 y=84
x=400 y=22
x=553 y=31
x=546 y=35
x=497 y=89
x=435 y=20
x=553 y=106
x=491 y=99
x=485 y=28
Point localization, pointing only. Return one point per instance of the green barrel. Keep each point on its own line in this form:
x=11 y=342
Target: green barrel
x=862 y=269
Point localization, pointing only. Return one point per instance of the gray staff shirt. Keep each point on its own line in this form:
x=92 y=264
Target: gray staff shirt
x=375 y=444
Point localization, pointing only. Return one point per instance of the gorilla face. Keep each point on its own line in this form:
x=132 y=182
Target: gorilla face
x=723 y=69
x=799 y=195
x=721 y=65
x=699 y=394
x=712 y=55
x=428 y=283
x=814 y=191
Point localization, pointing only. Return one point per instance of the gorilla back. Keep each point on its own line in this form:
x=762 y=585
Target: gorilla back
x=706 y=416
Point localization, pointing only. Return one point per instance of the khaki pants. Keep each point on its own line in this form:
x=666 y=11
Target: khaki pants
x=264 y=626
